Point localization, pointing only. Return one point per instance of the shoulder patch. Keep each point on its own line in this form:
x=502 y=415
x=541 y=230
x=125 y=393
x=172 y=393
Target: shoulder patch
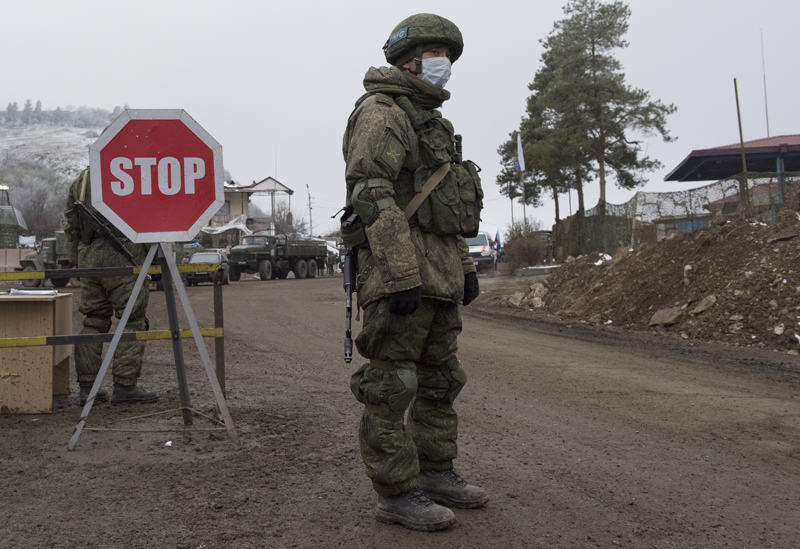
x=392 y=153
x=399 y=35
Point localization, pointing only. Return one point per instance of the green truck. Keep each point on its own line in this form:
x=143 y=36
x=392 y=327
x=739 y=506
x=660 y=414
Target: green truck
x=275 y=256
x=51 y=253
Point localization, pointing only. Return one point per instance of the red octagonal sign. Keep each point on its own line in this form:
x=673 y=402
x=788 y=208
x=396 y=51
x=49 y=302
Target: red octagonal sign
x=157 y=175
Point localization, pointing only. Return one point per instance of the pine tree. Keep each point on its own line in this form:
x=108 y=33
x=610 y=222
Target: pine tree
x=27 y=113
x=11 y=113
x=115 y=114
x=590 y=88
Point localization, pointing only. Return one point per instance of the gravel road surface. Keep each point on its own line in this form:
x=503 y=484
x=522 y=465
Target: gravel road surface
x=584 y=437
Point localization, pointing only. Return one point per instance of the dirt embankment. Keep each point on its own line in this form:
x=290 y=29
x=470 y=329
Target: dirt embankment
x=735 y=282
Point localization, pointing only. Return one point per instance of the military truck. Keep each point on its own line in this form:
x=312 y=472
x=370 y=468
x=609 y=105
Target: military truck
x=51 y=253
x=275 y=256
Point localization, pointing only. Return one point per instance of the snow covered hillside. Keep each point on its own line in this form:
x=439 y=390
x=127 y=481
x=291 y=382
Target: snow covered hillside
x=62 y=149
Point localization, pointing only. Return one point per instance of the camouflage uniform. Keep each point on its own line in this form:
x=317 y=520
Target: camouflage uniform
x=395 y=139
x=103 y=296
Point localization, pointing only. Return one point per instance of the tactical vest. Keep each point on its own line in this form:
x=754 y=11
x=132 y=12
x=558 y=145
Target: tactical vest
x=454 y=205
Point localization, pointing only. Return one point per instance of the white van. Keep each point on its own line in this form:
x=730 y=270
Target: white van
x=484 y=254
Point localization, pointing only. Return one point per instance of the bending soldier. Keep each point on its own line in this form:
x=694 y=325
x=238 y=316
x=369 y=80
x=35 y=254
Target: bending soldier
x=414 y=269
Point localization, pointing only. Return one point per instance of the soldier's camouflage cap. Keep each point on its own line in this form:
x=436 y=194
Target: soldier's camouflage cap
x=421 y=31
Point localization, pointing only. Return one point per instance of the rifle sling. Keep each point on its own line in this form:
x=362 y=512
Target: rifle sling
x=87 y=232
x=427 y=189
x=83 y=186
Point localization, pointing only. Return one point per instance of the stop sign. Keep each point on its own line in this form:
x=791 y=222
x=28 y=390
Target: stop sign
x=157 y=175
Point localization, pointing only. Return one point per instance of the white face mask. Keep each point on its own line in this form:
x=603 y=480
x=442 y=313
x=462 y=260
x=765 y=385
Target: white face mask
x=436 y=70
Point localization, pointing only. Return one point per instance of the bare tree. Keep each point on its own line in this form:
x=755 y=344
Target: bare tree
x=288 y=222
x=39 y=194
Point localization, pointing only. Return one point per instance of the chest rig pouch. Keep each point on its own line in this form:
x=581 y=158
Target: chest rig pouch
x=454 y=205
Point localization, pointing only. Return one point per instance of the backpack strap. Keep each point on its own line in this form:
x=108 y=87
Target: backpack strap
x=427 y=189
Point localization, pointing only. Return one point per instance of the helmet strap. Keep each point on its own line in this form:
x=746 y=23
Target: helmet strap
x=417 y=69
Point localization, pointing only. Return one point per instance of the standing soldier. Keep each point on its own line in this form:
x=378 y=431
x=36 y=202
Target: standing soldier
x=415 y=201
x=100 y=298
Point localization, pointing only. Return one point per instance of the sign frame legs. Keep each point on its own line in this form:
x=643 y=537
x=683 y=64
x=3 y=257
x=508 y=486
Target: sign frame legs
x=170 y=275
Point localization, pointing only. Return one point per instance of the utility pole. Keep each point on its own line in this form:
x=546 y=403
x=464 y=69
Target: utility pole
x=744 y=198
x=310 y=222
x=764 y=71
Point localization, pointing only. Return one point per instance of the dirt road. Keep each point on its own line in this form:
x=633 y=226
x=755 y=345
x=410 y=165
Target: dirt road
x=583 y=437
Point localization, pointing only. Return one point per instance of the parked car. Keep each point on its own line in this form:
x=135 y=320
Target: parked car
x=204 y=258
x=483 y=253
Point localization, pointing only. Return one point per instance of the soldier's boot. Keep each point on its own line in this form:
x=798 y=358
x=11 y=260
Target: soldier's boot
x=448 y=488
x=131 y=394
x=414 y=510
x=86 y=388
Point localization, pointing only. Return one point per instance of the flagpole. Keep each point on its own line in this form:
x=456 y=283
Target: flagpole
x=511 y=197
x=524 y=199
x=520 y=171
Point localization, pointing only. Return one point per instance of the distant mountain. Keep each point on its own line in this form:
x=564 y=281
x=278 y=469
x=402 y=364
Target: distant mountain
x=64 y=150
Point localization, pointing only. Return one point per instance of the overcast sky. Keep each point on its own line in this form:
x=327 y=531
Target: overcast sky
x=278 y=79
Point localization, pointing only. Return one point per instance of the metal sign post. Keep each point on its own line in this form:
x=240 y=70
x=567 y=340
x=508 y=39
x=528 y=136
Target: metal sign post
x=177 y=347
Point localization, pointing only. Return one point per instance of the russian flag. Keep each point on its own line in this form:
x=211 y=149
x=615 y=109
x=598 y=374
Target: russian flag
x=520 y=156
x=497 y=242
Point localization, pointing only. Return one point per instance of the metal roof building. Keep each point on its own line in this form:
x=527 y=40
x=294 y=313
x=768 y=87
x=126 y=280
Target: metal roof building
x=771 y=155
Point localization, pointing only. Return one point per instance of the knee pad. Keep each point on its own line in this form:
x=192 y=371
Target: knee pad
x=405 y=389
x=457 y=377
x=100 y=323
x=355 y=384
x=137 y=324
x=374 y=385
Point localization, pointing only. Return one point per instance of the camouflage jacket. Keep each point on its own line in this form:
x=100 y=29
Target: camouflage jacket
x=381 y=144
x=95 y=254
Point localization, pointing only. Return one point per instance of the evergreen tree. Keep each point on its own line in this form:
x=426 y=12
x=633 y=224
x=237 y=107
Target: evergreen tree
x=27 y=113
x=11 y=114
x=38 y=116
x=115 y=114
x=588 y=87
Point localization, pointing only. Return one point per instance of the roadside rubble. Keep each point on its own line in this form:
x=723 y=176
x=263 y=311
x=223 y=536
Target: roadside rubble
x=736 y=282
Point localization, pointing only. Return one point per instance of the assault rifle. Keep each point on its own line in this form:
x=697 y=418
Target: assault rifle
x=349 y=268
x=102 y=226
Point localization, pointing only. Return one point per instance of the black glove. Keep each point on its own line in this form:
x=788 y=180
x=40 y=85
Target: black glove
x=471 y=289
x=405 y=302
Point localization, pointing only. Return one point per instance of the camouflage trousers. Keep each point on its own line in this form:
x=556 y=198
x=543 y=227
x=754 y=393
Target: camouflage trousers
x=100 y=298
x=412 y=364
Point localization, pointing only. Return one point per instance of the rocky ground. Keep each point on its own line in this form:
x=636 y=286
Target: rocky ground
x=735 y=282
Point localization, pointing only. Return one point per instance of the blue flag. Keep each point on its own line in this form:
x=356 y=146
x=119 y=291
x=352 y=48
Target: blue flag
x=497 y=241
